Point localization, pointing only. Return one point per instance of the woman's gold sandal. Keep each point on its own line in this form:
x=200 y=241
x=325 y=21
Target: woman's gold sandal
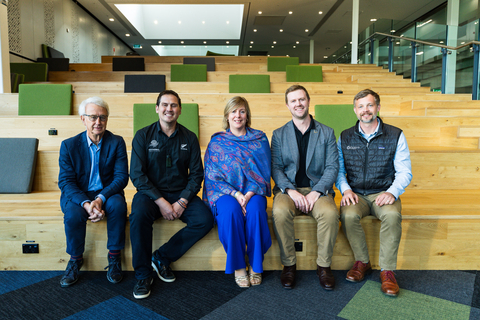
x=255 y=278
x=242 y=281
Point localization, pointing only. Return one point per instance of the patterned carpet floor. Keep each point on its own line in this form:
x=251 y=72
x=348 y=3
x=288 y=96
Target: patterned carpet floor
x=214 y=295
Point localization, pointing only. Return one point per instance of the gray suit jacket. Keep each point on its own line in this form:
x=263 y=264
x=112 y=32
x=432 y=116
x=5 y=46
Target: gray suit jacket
x=322 y=158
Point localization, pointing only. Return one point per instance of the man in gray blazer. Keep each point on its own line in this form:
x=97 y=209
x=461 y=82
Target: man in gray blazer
x=304 y=168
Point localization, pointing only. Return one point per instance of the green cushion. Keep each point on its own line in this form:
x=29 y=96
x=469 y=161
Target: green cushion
x=280 y=63
x=144 y=114
x=44 y=99
x=34 y=72
x=304 y=73
x=188 y=72
x=337 y=116
x=249 y=83
x=45 y=52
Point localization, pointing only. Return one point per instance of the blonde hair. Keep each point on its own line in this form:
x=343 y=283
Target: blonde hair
x=233 y=104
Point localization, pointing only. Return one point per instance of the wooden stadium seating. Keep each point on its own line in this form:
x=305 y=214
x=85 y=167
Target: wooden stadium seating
x=441 y=214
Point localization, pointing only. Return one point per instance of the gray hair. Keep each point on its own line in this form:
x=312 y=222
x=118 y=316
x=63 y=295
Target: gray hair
x=94 y=100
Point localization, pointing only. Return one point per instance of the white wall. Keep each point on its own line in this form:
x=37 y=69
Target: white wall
x=69 y=30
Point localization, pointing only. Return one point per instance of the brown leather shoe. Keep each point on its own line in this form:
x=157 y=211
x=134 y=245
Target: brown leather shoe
x=327 y=281
x=288 y=276
x=358 y=271
x=389 y=284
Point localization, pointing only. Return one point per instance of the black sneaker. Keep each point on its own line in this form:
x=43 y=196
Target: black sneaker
x=164 y=273
x=71 y=273
x=142 y=288
x=114 y=273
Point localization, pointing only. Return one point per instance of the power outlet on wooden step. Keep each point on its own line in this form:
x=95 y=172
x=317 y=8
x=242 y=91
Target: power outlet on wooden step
x=30 y=248
x=298 y=246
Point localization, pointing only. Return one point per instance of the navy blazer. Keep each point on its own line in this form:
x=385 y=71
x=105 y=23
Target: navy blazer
x=322 y=158
x=75 y=165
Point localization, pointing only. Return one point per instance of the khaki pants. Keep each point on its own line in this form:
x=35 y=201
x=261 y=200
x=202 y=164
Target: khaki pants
x=324 y=211
x=390 y=230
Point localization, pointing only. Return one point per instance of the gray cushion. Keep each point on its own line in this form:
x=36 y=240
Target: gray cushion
x=144 y=83
x=210 y=62
x=18 y=159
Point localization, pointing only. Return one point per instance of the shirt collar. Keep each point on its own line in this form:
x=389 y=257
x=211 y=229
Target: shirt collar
x=369 y=136
x=89 y=141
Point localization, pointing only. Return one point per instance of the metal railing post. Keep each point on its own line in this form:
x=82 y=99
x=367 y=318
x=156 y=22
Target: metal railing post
x=372 y=50
x=444 y=69
x=476 y=53
x=414 y=62
x=390 y=54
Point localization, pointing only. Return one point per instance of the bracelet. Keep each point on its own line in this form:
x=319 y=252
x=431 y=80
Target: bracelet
x=237 y=194
x=182 y=204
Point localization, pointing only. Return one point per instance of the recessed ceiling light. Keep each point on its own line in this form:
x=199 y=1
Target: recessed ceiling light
x=290 y=12
x=306 y=30
x=334 y=55
x=350 y=42
x=462 y=42
x=251 y=42
x=251 y=46
x=320 y=12
x=184 y=46
x=298 y=42
x=398 y=42
x=288 y=55
x=203 y=22
x=179 y=22
x=227 y=42
x=274 y=42
x=155 y=22
x=111 y=19
x=227 y=46
x=441 y=41
x=127 y=34
x=181 y=42
x=325 y=57
x=204 y=42
x=254 y=30
x=281 y=30
x=228 y=22
x=392 y=30
x=159 y=41
x=294 y=47
x=373 y=20
x=273 y=47
x=259 y=12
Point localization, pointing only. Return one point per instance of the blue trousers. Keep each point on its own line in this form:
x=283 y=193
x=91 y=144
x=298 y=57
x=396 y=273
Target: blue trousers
x=236 y=231
x=75 y=219
x=145 y=211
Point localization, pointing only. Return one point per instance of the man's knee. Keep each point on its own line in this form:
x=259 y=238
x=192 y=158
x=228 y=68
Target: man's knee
x=282 y=209
x=116 y=205
x=391 y=217
x=74 y=215
x=349 y=215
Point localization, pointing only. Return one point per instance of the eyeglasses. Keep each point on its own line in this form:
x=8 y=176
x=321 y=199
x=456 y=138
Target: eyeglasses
x=94 y=117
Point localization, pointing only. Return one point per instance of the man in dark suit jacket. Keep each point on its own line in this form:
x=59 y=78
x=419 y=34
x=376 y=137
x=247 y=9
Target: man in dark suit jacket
x=93 y=174
x=304 y=168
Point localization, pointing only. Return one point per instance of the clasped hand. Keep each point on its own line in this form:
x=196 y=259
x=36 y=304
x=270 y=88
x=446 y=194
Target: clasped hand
x=304 y=203
x=94 y=210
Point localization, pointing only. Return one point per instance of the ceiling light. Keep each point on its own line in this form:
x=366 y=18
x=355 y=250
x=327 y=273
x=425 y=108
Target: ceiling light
x=325 y=57
x=184 y=46
x=228 y=22
x=294 y=47
x=373 y=20
x=288 y=55
x=203 y=22
x=227 y=46
x=251 y=46
x=159 y=41
x=227 y=42
x=274 y=42
x=127 y=34
x=462 y=42
x=320 y=12
x=306 y=30
x=398 y=42
x=111 y=19
x=181 y=42
x=281 y=30
x=392 y=31
x=419 y=53
x=254 y=30
x=251 y=42
x=206 y=46
x=334 y=55
x=298 y=42
x=155 y=22
x=204 y=42
x=441 y=41
x=350 y=42
x=273 y=47
x=290 y=12
x=259 y=12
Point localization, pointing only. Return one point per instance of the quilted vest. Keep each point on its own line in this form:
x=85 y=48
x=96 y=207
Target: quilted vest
x=369 y=165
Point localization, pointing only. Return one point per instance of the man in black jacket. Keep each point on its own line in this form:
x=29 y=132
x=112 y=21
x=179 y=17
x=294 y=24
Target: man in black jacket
x=166 y=168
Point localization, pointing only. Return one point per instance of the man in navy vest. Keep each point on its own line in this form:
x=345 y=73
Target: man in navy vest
x=375 y=169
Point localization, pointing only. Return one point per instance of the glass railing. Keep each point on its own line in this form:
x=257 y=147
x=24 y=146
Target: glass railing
x=419 y=52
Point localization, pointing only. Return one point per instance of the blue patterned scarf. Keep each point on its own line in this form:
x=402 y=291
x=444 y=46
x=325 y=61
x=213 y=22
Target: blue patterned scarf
x=236 y=163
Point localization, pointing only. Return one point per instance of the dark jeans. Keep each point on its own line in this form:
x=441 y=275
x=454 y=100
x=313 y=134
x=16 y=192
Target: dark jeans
x=197 y=216
x=75 y=219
